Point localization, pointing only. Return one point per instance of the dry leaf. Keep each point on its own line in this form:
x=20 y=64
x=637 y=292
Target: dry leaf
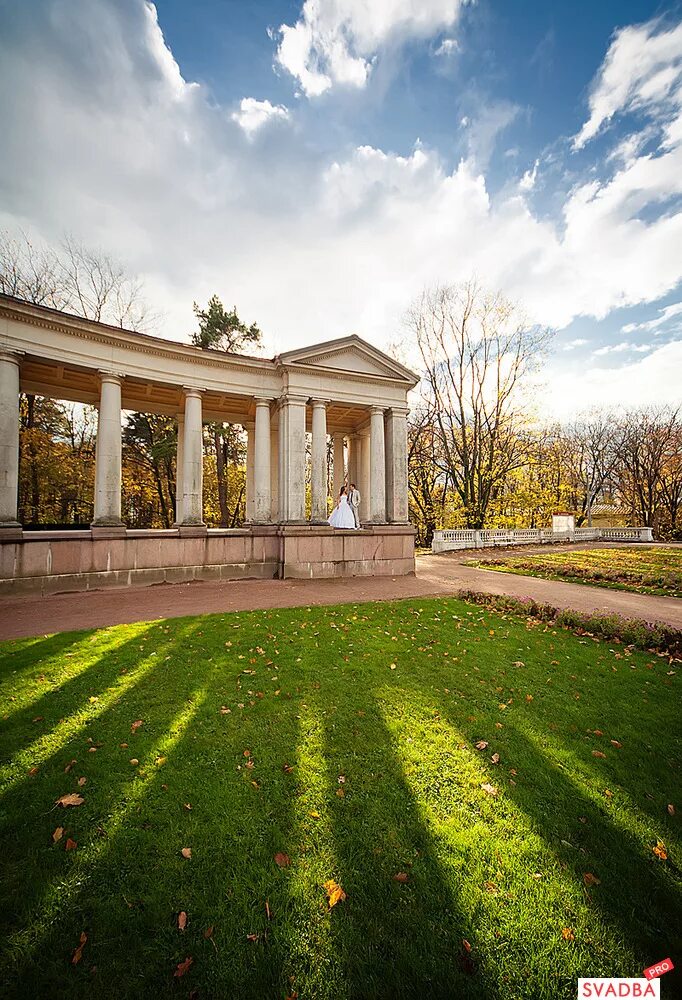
x=136 y=725
x=187 y=806
x=400 y=877
x=182 y=920
x=247 y=753
x=660 y=851
x=69 y=766
x=33 y=772
x=287 y=768
x=467 y=946
x=567 y=934
x=183 y=967
x=616 y=744
x=160 y=760
x=495 y=758
x=282 y=860
x=92 y=749
x=314 y=814
x=481 y=745
x=340 y=792
x=597 y=732
x=72 y=799
x=78 y=953
x=252 y=937
x=186 y=852
x=70 y=845
x=58 y=834
x=39 y=718
x=335 y=893
x=81 y=782
x=598 y=753
x=208 y=933
x=590 y=879
x=134 y=761
x=671 y=809
x=529 y=697
x=490 y=789
x=123 y=746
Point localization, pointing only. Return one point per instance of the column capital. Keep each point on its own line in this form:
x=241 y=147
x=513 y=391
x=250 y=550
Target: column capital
x=376 y=409
x=12 y=357
x=399 y=411
x=319 y=403
x=107 y=375
x=194 y=390
x=263 y=400
x=292 y=397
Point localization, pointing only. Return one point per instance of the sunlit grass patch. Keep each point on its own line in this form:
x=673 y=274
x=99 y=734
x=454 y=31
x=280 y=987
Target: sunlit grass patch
x=645 y=570
x=487 y=792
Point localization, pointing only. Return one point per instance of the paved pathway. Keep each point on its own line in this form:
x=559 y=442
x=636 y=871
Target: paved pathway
x=442 y=574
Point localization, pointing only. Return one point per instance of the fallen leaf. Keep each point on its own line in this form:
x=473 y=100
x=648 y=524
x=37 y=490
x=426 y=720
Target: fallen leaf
x=183 y=967
x=481 y=745
x=39 y=718
x=123 y=746
x=282 y=860
x=58 y=834
x=598 y=753
x=335 y=893
x=340 y=792
x=671 y=809
x=495 y=758
x=490 y=789
x=69 y=766
x=72 y=799
x=287 y=768
x=134 y=761
x=616 y=744
x=400 y=877
x=160 y=760
x=597 y=732
x=247 y=753
x=467 y=946
x=93 y=698
x=81 y=782
x=92 y=749
x=393 y=666
x=590 y=879
x=182 y=920
x=567 y=934
x=252 y=937
x=78 y=953
x=70 y=845
x=187 y=806
x=529 y=697
x=268 y=912
x=314 y=814
x=186 y=852
x=134 y=728
x=208 y=933
x=608 y=794
x=660 y=851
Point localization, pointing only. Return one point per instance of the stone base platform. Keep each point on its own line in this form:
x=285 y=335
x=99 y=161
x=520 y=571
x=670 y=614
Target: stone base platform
x=50 y=562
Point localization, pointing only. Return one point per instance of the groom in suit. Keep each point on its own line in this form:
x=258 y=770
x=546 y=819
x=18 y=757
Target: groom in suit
x=354 y=502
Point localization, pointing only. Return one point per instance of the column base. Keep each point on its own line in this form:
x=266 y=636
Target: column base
x=10 y=530
x=113 y=530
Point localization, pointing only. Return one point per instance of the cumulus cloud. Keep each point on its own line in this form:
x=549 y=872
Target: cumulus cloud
x=665 y=315
x=334 y=42
x=253 y=114
x=642 y=70
x=622 y=347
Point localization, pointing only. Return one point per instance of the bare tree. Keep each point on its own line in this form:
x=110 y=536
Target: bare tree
x=649 y=442
x=73 y=278
x=590 y=456
x=477 y=350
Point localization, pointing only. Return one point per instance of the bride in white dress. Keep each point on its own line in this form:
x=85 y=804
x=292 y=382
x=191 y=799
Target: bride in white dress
x=342 y=515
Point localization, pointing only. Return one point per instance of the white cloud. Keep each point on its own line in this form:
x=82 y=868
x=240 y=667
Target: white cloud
x=641 y=70
x=447 y=47
x=664 y=316
x=621 y=348
x=527 y=182
x=334 y=42
x=253 y=114
x=572 y=344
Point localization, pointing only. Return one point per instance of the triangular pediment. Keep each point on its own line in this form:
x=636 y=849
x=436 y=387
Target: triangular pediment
x=352 y=355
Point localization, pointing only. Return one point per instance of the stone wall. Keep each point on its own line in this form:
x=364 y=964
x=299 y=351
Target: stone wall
x=55 y=562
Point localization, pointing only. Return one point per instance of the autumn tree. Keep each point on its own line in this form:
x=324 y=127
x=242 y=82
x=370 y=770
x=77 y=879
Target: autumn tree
x=647 y=448
x=478 y=351
x=591 y=456
x=223 y=330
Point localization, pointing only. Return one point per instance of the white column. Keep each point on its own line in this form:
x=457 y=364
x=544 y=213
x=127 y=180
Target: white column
x=179 y=462
x=261 y=463
x=193 y=461
x=377 y=462
x=318 y=478
x=397 y=510
x=364 y=476
x=274 y=472
x=108 y=454
x=250 y=453
x=339 y=472
x=353 y=460
x=9 y=441
x=292 y=458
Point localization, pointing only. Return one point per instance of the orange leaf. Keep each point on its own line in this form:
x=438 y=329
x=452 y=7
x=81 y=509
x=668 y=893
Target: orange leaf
x=335 y=893
x=283 y=860
x=400 y=877
x=616 y=744
x=252 y=937
x=182 y=920
x=134 y=761
x=58 y=834
x=81 y=782
x=598 y=753
x=597 y=732
x=70 y=845
x=660 y=851
x=70 y=800
x=183 y=967
x=78 y=953
x=186 y=852
x=69 y=766
x=467 y=946
x=567 y=934
x=481 y=745
x=136 y=725
x=33 y=772
x=287 y=768
x=208 y=933
x=590 y=879
x=247 y=753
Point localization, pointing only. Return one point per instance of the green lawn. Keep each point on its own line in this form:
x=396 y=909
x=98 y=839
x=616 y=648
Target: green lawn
x=360 y=723
x=644 y=570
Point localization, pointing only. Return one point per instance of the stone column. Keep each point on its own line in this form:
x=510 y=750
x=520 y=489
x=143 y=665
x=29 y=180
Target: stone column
x=396 y=465
x=9 y=444
x=292 y=458
x=339 y=476
x=364 y=478
x=318 y=477
x=262 y=497
x=353 y=463
x=179 y=462
x=193 y=461
x=250 y=454
x=274 y=472
x=377 y=463
x=108 y=454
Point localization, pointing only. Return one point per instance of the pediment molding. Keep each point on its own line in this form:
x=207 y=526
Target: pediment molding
x=356 y=358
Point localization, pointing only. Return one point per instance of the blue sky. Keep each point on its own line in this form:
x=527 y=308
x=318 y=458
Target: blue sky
x=318 y=163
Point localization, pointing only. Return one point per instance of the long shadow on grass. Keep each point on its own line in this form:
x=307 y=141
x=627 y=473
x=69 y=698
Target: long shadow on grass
x=20 y=654
x=393 y=939
x=638 y=895
x=128 y=897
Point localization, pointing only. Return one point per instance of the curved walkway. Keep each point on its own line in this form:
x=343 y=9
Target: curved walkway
x=436 y=574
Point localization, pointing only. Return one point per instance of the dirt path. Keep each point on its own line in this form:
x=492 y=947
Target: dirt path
x=442 y=574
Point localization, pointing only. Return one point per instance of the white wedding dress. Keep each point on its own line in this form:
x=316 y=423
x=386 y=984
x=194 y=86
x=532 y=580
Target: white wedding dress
x=342 y=516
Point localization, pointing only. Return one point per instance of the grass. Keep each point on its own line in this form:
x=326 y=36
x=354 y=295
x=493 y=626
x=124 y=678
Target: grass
x=644 y=570
x=375 y=710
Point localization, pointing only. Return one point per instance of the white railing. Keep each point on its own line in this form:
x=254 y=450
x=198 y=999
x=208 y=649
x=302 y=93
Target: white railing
x=450 y=539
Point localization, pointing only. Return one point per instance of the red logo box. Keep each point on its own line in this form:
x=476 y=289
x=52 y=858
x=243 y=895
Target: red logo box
x=665 y=965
